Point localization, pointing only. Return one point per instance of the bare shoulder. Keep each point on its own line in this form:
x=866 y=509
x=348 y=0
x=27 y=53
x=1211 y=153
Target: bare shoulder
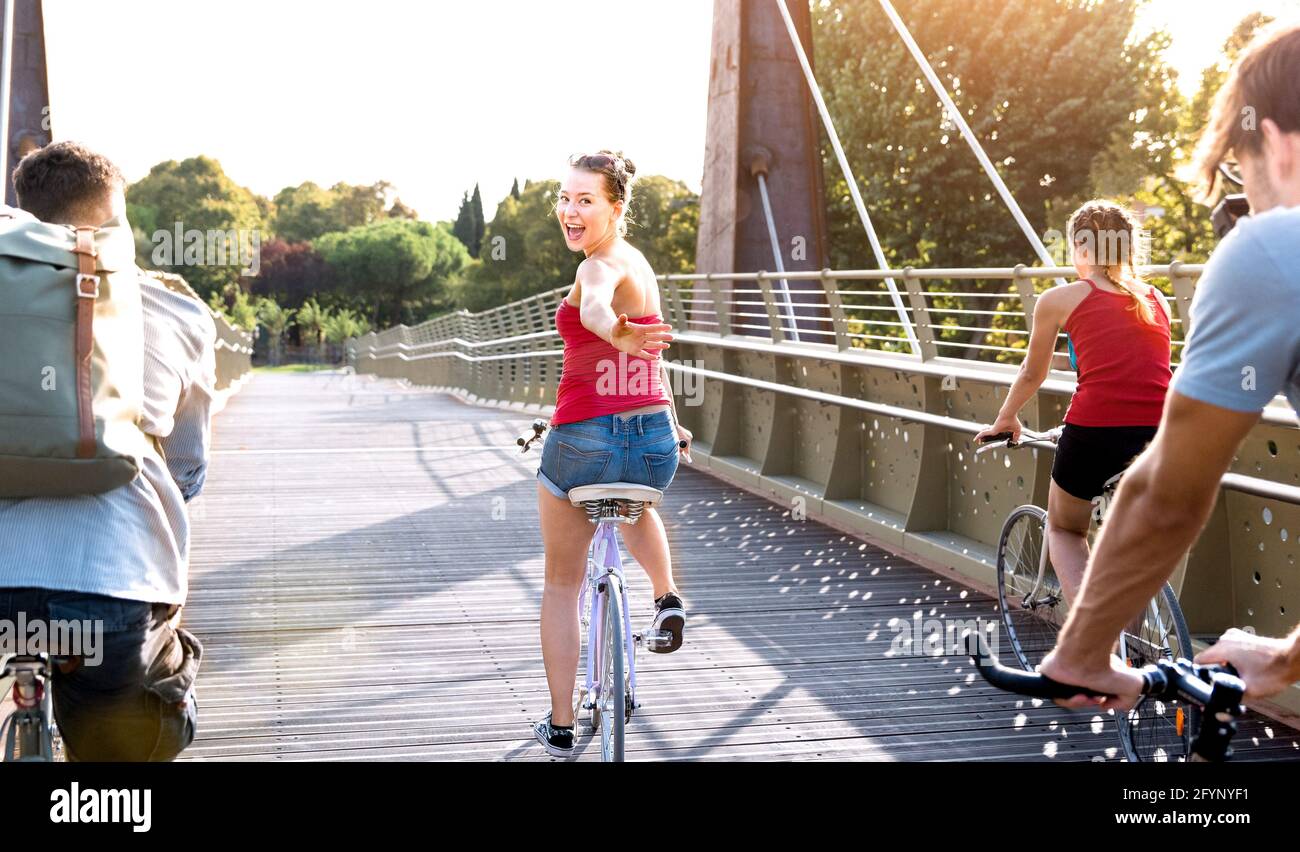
x=1062 y=298
x=595 y=271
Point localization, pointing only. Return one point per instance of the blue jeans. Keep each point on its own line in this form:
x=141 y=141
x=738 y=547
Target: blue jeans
x=126 y=704
x=641 y=449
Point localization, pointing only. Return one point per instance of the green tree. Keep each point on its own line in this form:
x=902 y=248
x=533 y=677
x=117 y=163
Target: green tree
x=394 y=269
x=303 y=212
x=275 y=319
x=238 y=308
x=523 y=251
x=194 y=195
x=1046 y=87
x=401 y=211
x=476 y=209
x=1183 y=230
x=463 y=229
x=308 y=211
x=310 y=319
x=342 y=325
x=355 y=206
x=514 y=190
x=664 y=223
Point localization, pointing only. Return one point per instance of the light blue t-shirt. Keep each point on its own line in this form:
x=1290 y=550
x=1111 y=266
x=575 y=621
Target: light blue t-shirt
x=1245 y=343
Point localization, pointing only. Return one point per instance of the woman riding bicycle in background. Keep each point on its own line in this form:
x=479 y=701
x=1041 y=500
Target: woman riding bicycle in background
x=1119 y=326
x=614 y=420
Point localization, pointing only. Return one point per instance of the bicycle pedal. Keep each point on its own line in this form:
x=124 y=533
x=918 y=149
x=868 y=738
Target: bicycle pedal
x=654 y=639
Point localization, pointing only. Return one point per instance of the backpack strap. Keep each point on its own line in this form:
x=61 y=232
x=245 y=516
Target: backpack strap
x=87 y=295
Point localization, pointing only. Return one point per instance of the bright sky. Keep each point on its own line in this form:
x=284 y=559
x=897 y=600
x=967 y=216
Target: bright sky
x=431 y=96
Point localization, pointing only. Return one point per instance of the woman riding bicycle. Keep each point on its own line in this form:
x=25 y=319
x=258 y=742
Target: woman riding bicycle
x=1119 y=327
x=614 y=420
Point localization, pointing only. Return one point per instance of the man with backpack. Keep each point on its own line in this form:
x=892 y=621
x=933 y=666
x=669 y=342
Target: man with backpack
x=106 y=383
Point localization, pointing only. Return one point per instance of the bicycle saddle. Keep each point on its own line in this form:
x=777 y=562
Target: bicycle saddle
x=616 y=491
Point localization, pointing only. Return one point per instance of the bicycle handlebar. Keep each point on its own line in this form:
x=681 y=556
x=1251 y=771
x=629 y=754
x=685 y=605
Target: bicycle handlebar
x=1027 y=438
x=1218 y=690
x=533 y=434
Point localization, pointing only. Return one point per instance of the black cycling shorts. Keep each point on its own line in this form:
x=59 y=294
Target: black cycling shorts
x=1087 y=456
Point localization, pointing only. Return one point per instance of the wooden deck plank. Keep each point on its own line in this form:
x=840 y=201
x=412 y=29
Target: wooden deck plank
x=367 y=573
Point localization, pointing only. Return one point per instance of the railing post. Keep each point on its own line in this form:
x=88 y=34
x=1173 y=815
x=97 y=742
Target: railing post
x=924 y=332
x=723 y=315
x=774 y=326
x=1184 y=289
x=675 y=297
x=1028 y=297
x=836 y=308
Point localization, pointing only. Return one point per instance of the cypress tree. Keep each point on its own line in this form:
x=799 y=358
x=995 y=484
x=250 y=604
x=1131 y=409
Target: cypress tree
x=464 y=228
x=480 y=226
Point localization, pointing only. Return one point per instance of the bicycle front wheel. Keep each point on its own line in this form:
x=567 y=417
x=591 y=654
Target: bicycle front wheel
x=1157 y=730
x=1029 y=595
x=613 y=684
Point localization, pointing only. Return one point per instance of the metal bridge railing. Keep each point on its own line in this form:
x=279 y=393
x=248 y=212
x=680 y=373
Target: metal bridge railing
x=234 y=346
x=849 y=426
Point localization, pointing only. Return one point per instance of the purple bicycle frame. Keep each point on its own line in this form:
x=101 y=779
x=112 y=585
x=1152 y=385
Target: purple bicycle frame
x=606 y=560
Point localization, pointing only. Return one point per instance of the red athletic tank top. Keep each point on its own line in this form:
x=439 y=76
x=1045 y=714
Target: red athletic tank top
x=1123 y=361
x=599 y=379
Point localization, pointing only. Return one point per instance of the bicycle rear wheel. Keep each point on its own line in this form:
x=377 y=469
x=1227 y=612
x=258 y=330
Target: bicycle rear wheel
x=1157 y=730
x=612 y=719
x=1033 y=608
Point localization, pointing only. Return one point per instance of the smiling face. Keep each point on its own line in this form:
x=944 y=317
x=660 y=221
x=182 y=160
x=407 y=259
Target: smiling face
x=584 y=210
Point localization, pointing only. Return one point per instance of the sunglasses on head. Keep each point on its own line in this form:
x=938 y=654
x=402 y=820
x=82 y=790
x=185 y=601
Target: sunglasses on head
x=1231 y=170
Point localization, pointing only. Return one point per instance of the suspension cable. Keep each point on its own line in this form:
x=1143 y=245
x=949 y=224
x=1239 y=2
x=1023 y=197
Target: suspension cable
x=955 y=114
x=848 y=176
x=788 y=305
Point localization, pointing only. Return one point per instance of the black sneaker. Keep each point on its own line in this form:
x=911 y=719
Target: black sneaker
x=558 y=742
x=670 y=617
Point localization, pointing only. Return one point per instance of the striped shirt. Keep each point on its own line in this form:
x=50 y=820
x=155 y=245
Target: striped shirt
x=132 y=542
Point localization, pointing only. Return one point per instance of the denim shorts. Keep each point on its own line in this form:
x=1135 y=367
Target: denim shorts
x=641 y=449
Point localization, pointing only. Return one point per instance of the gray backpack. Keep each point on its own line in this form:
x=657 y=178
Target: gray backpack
x=71 y=359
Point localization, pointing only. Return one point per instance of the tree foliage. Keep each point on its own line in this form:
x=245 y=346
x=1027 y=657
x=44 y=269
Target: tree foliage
x=308 y=211
x=1044 y=86
x=664 y=221
x=193 y=194
x=291 y=273
x=1061 y=98
x=523 y=251
x=396 y=269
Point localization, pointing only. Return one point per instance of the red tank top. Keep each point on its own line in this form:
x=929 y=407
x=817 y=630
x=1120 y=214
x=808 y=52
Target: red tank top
x=1123 y=361
x=599 y=379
